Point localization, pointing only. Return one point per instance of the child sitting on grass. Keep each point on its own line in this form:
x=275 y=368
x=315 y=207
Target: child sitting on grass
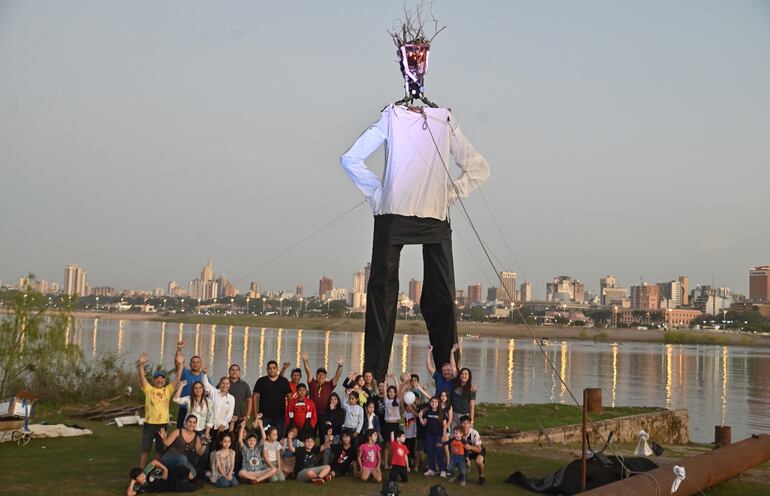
x=223 y=464
x=254 y=469
x=288 y=445
x=306 y=467
x=272 y=454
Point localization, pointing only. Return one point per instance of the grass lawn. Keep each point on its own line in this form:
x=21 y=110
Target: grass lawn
x=99 y=464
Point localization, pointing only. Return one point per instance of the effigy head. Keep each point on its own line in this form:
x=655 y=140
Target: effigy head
x=413 y=51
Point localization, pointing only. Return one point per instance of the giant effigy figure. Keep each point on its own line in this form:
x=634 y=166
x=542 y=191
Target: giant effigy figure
x=411 y=203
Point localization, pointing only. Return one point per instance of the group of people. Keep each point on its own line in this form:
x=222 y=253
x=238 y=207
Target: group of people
x=228 y=433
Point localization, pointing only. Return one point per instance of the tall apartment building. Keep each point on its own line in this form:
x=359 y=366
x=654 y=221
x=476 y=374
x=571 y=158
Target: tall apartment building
x=566 y=289
x=759 y=283
x=474 y=294
x=367 y=273
x=207 y=273
x=684 y=284
x=645 y=297
x=75 y=283
x=324 y=285
x=525 y=294
x=495 y=294
x=415 y=290
x=359 y=282
x=460 y=297
x=509 y=286
x=670 y=294
x=300 y=290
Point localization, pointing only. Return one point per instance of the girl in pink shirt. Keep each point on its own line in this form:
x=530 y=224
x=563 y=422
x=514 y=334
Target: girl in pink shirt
x=369 y=458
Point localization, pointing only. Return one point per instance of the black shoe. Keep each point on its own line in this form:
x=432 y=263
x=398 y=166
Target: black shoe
x=482 y=481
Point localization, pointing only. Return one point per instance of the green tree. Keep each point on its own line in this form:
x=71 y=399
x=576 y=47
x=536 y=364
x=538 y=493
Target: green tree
x=32 y=339
x=477 y=314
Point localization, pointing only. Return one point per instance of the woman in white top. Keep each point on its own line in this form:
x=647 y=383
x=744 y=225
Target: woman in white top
x=197 y=404
x=222 y=406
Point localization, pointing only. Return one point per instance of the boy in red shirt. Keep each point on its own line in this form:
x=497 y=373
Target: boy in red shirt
x=458 y=455
x=399 y=460
x=301 y=413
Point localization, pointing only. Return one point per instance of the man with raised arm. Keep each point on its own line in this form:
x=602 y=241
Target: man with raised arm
x=157 y=396
x=446 y=375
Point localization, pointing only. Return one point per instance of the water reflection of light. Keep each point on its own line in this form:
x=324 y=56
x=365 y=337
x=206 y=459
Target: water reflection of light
x=212 y=342
x=361 y=356
x=511 y=350
x=197 y=338
x=180 y=337
x=261 y=349
x=229 y=345
x=563 y=370
x=279 y=338
x=614 y=372
x=121 y=324
x=724 y=385
x=93 y=339
x=326 y=349
x=299 y=347
x=669 y=373
x=162 y=341
x=404 y=349
x=66 y=334
x=245 y=348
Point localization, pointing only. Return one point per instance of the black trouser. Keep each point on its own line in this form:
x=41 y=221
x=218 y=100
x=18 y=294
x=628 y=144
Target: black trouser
x=398 y=473
x=438 y=290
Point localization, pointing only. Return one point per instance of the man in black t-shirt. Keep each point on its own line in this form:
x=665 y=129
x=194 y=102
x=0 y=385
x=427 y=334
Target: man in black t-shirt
x=269 y=398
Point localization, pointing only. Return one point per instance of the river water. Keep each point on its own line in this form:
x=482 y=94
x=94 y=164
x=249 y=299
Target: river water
x=718 y=384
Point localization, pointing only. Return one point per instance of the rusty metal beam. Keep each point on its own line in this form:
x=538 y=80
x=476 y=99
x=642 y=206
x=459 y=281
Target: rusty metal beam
x=703 y=471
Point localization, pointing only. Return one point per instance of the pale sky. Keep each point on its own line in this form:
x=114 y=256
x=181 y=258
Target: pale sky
x=138 y=139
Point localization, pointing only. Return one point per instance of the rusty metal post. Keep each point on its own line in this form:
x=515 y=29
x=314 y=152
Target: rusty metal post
x=722 y=436
x=703 y=471
x=594 y=397
x=592 y=403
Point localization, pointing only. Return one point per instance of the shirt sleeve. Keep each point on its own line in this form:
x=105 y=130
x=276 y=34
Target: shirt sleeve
x=474 y=167
x=352 y=161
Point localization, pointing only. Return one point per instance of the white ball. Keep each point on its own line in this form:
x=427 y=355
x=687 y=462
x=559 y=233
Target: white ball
x=409 y=397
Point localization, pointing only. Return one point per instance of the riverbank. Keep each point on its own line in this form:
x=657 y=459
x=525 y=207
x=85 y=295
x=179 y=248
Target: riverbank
x=99 y=464
x=465 y=329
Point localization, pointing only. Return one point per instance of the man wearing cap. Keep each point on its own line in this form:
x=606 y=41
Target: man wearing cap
x=321 y=389
x=301 y=413
x=157 y=398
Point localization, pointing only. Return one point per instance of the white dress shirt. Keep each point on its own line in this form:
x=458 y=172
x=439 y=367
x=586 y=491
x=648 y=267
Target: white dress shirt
x=415 y=181
x=222 y=406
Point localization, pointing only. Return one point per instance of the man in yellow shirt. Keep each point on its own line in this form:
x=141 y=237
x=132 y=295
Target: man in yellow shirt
x=157 y=397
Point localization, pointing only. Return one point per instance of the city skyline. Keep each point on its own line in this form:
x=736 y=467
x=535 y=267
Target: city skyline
x=562 y=289
x=135 y=156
